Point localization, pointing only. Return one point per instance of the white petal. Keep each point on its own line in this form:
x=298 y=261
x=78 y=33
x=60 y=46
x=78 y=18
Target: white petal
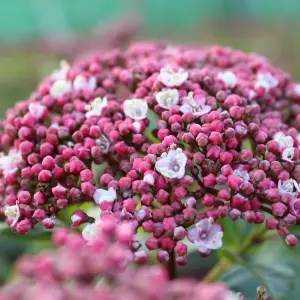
x=101 y=195
x=135 y=109
x=59 y=88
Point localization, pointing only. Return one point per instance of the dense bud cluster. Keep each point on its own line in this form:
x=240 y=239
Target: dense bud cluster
x=171 y=139
x=79 y=270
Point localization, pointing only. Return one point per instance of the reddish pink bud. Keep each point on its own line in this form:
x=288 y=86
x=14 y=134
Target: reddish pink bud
x=162 y=256
x=152 y=243
x=48 y=163
x=226 y=158
x=79 y=217
x=291 y=240
x=88 y=189
x=181 y=249
x=148 y=226
x=162 y=196
x=24 y=197
x=130 y=205
x=86 y=175
x=202 y=139
x=49 y=223
x=59 y=192
x=209 y=180
x=39 y=214
x=209 y=200
x=169 y=224
x=26 y=148
x=278 y=209
x=45 y=176
x=234 y=182
x=76 y=166
x=24 y=226
x=140 y=257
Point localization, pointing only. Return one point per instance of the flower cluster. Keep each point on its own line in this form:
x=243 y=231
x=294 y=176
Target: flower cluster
x=80 y=270
x=184 y=138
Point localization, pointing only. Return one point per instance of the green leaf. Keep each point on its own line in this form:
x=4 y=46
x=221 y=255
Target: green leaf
x=262 y=269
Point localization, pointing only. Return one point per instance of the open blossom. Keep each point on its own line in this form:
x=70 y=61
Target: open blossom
x=288 y=154
x=206 y=235
x=228 y=78
x=101 y=195
x=135 y=109
x=172 y=164
x=61 y=73
x=285 y=141
x=242 y=172
x=60 y=87
x=37 y=110
x=9 y=162
x=288 y=187
x=103 y=142
x=167 y=97
x=90 y=231
x=171 y=77
x=266 y=80
x=96 y=107
x=12 y=213
x=195 y=105
x=81 y=82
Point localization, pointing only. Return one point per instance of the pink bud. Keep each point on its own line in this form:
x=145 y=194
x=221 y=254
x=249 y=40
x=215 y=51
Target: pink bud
x=39 y=214
x=291 y=240
x=24 y=226
x=49 y=223
x=169 y=224
x=278 y=209
x=24 y=197
x=59 y=191
x=181 y=249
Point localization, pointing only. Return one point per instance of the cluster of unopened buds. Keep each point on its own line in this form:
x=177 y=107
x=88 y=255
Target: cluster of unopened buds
x=99 y=270
x=169 y=139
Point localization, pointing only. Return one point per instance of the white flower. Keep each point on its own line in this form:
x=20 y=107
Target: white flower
x=60 y=87
x=195 y=105
x=95 y=108
x=37 y=110
x=288 y=154
x=8 y=163
x=167 y=98
x=172 y=164
x=285 y=141
x=12 y=213
x=148 y=177
x=135 y=109
x=90 y=231
x=242 y=172
x=61 y=74
x=81 y=82
x=297 y=89
x=103 y=142
x=170 y=77
x=228 y=78
x=137 y=126
x=206 y=235
x=266 y=80
x=288 y=187
x=102 y=195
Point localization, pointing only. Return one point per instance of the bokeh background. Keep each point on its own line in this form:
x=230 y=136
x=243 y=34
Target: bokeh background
x=36 y=34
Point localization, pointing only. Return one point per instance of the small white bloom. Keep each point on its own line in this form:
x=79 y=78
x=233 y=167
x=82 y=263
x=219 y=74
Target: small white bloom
x=206 y=235
x=266 y=80
x=90 y=231
x=61 y=74
x=228 y=78
x=242 y=172
x=297 y=89
x=135 y=109
x=81 y=82
x=170 y=77
x=148 y=177
x=298 y=139
x=137 y=126
x=102 y=195
x=37 y=110
x=12 y=213
x=195 y=105
x=103 y=142
x=8 y=163
x=285 y=141
x=95 y=108
x=288 y=154
x=167 y=98
x=172 y=164
x=60 y=87
x=288 y=187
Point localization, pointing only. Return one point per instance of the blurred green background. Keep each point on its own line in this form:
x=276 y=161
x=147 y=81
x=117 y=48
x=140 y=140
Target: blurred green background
x=36 y=34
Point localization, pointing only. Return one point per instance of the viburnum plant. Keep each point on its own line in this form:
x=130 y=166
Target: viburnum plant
x=169 y=140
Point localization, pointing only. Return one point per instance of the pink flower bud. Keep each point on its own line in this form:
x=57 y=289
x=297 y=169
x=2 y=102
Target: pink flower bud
x=152 y=243
x=24 y=226
x=278 y=209
x=291 y=240
x=59 y=192
x=24 y=197
x=48 y=223
x=39 y=214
